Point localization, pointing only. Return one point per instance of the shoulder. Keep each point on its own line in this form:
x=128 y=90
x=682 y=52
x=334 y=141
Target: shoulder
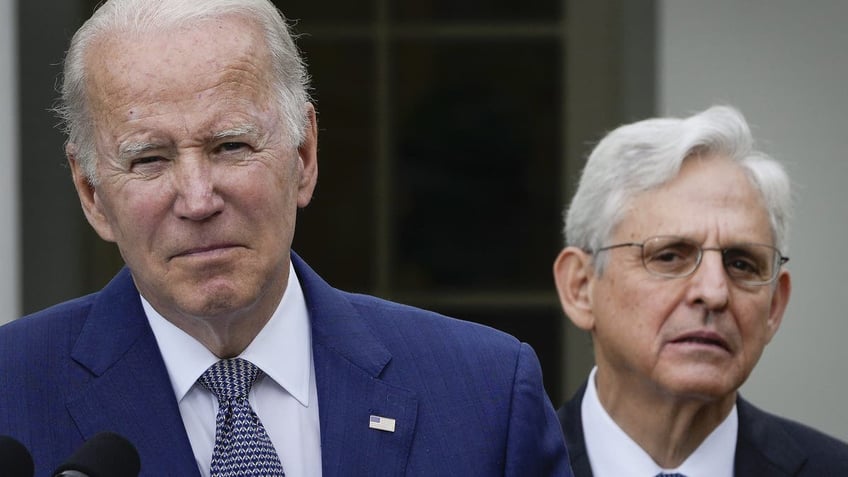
x=41 y=325
x=479 y=385
x=778 y=438
x=404 y=330
x=67 y=318
x=40 y=345
x=427 y=347
x=464 y=358
x=34 y=353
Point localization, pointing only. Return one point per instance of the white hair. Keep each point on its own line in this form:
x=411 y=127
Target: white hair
x=647 y=154
x=121 y=17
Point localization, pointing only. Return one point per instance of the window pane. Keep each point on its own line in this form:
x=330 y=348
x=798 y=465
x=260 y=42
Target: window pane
x=343 y=12
x=477 y=151
x=477 y=10
x=336 y=232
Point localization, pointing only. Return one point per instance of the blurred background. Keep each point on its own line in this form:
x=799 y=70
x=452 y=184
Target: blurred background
x=451 y=136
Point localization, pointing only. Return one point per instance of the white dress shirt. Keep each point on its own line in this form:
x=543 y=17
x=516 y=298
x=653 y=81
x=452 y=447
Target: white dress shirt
x=285 y=397
x=612 y=453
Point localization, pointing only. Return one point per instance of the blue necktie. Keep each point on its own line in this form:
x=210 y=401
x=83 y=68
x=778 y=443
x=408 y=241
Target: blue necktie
x=242 y=447
x=676 y=474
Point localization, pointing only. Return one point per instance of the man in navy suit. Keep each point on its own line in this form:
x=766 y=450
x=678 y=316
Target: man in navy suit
x=192 y=144
x=675 y=266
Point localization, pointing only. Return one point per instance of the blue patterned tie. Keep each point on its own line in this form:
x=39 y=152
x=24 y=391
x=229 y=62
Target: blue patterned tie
x=676 y=474
x=242 y=447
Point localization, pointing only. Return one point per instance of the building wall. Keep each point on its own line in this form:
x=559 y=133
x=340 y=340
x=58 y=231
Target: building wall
x=9 y=255
x=785 y=65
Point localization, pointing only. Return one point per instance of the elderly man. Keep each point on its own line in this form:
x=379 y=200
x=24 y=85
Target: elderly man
x=217 y=351
x=674 y=265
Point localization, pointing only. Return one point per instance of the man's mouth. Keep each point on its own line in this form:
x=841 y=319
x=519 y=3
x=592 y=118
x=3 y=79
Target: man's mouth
x=702 y=338
x=206 y=249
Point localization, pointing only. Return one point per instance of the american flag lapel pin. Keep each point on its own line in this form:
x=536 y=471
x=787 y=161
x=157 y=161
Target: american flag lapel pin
x=381 y=423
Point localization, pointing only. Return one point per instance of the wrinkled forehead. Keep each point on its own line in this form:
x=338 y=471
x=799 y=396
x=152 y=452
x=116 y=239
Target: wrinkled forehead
x=222 y=50
x=709 y=195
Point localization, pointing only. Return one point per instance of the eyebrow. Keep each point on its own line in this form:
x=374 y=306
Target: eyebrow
x=137 y=148
x=244 y=130
x=132 y=149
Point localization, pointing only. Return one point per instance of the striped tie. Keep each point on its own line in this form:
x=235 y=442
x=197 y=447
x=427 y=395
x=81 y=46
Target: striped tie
x=242 y=447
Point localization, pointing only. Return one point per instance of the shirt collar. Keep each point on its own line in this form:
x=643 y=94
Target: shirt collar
x=613 y=453
x=282 y=349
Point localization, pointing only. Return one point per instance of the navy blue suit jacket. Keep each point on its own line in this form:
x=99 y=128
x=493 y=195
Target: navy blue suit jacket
x=467 y=400
x=766 y=445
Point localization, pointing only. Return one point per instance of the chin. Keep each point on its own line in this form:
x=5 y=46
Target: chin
x=702 y=388
x=211 y=309
x=219 y=299
x=705 y=384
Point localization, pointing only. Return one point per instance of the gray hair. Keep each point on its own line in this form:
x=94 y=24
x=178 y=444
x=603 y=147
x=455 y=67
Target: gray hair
x=291 y=81
x=647 y=154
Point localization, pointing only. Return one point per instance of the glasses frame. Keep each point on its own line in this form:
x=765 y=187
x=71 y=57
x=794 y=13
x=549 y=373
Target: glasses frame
x=779 y=261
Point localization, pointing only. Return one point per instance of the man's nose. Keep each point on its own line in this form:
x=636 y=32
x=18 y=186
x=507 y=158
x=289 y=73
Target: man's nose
x=197 y=195
x=710 y=285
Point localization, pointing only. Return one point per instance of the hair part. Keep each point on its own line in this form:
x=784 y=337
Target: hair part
x=645 y=155
x=290 y=83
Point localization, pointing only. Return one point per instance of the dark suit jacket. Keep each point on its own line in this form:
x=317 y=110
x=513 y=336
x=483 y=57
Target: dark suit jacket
x=766 y=446
x=467 y=400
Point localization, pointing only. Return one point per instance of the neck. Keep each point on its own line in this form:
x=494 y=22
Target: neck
x=229 y=338
x=673 y=427
x=228 y=334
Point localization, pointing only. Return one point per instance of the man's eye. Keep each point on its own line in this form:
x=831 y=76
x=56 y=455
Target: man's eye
x=667 y=256
x=745 y=266
x=142 y=161
x=232 y=147
x=740 y=263
x=671 y=253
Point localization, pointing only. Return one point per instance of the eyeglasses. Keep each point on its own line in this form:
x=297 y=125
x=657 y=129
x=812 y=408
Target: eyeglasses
x=678 y=257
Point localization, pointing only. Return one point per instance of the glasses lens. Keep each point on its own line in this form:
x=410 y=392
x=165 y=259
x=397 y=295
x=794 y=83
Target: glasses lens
x=751 y=263
x=670 y=256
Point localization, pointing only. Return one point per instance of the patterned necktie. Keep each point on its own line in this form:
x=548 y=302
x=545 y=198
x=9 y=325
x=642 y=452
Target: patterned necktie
x=676 y=474
x=242 y=447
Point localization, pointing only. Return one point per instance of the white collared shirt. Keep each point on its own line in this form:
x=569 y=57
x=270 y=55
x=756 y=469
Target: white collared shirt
x=285 y=397
x=612 y=453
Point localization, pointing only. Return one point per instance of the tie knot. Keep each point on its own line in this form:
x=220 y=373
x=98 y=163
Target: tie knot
x=230 y=379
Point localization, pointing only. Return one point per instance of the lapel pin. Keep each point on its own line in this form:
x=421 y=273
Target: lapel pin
x=381 y=423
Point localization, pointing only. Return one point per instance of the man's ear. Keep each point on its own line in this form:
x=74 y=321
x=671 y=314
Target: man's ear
x=779 y=301
x=573 y=274
x=89 y=199
x=308 y=156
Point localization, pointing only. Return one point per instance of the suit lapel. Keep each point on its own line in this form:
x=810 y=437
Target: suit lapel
x=119 y=383
x=122 y=384
x=762 y=447
x=571 y=419
x=348 y=363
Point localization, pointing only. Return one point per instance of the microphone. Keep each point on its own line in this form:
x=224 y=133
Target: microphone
x=105 y=455
x=15 y=459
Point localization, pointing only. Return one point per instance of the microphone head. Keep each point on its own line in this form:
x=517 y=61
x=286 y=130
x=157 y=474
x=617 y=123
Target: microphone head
x=105 y=455
x=15 y=459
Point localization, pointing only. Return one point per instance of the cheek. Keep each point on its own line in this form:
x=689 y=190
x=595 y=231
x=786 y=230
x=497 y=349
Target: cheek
x=133 y=211
x=635 y=299
x=259 y=190
x=635 y=313
x=753 y=322
x=272 y=184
